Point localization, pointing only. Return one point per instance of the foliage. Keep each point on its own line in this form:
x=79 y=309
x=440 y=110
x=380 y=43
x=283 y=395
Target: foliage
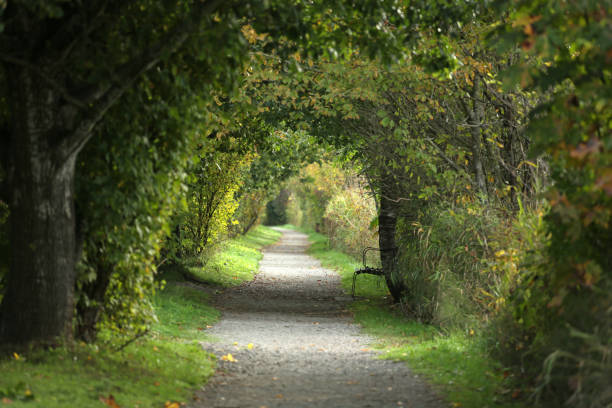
x=276 y=209
x=210 y=200
x=443 y=260
x=564 y=301
x=125 y=199
x=310 y=192
x=348 y=221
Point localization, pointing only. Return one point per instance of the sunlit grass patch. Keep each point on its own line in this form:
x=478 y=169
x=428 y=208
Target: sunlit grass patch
x=236 y=261
x=182 y=312
x=142 y=375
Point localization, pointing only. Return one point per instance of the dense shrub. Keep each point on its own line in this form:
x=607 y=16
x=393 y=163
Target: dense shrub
x=348 y=221
x=560 y=342
x=442 y=258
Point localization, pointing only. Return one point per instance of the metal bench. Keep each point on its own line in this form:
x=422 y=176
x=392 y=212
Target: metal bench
x=366 y=269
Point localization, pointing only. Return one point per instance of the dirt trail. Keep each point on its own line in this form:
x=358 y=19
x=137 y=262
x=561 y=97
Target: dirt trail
x=305 y=352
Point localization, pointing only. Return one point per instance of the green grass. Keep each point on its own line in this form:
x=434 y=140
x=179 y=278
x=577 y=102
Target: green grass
x=455 y=364
x=183 y=312
x=165 y=366
x=236 y=261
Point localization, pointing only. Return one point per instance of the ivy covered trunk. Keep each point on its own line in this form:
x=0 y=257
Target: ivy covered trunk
x=39 y=301
x=90 y=306
x=476 y=116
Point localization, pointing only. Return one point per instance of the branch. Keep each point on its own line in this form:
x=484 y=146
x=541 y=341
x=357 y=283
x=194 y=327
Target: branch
x=106 y=95
x=50 y=81
x=90 y=26
x=133 y=339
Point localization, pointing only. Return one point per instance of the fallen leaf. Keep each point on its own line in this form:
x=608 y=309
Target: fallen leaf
x=169 y=404
x=110 y=401
x=250 y=346
x=279 y=396
x=157 y=383
x=228 y=357
x=17 y=356
x=6 y=401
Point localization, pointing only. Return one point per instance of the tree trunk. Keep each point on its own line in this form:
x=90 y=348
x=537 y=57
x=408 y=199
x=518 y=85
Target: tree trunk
x=39 y=301
x=387 y=222
x=89 y=311
x=476 y=116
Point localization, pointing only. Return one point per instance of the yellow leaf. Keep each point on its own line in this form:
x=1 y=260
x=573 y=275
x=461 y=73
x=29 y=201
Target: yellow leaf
x=228 y=357
x=250 y=346
x=486 y=293
x=17 y=356
x=169 y=404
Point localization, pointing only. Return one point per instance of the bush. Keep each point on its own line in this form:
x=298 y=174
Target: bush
x=442 y=258
x=348 y=221
x=559 y=341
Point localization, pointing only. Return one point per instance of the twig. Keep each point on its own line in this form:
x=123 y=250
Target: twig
x=133 y=339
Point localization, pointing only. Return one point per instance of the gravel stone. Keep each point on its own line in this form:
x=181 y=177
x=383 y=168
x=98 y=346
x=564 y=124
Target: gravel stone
x=305 y=349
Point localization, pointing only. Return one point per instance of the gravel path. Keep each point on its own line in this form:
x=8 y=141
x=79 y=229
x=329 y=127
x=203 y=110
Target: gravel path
x=295 y=344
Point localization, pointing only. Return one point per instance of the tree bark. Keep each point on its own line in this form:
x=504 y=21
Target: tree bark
x=476 y=116
x=39 y=300
x=387 y=223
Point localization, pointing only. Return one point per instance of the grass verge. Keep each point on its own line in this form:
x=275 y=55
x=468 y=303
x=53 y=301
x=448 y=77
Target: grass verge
x=236 y=261
x=456 y=364
x=157 y=371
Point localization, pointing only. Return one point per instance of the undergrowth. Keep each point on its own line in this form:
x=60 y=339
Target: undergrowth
x=165 y=366
x=454 y=362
